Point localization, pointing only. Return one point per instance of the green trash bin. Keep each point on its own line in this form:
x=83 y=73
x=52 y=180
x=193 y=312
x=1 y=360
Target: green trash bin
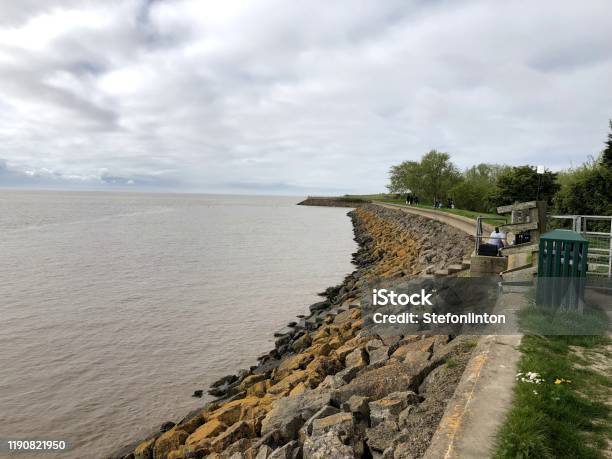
x=562 y=269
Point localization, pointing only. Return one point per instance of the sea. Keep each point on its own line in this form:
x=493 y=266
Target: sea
x=116 y=307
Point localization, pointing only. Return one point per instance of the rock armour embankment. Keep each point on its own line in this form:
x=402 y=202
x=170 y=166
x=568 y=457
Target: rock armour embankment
x=333 y=202
x=328 y=389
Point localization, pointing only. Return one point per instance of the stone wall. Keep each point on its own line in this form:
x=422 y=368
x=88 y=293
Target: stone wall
x=327 y=389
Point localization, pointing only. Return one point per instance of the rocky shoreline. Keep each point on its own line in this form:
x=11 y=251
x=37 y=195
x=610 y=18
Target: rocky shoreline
x=328 y=389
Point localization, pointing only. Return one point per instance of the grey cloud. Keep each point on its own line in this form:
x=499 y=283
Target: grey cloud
x=274 y=95
x=45 y=178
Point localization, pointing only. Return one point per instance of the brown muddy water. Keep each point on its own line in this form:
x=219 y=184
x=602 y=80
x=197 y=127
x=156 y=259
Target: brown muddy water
x=115 y=307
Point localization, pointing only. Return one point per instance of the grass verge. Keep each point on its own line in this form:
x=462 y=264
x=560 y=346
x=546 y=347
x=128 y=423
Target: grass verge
x=562 y=412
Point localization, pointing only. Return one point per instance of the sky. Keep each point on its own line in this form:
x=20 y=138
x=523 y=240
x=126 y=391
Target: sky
x=295 y=98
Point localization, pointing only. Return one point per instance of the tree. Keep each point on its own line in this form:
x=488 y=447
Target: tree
x=404 y=178
x=430 y=178
x=607 y=153
x=523 y=183
x=474 y=192
x=438 y=175
x=586 y=190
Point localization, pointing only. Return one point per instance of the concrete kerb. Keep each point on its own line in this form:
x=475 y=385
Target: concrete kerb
x=480 y=403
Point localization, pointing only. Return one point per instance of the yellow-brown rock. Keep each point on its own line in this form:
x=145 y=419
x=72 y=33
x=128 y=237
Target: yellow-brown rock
x=145 y=449
x=231 y=412
x=323 y=332
x=287 y=383
x=177 y=453
x=258 y=389
x=250 y=380
x=192 y=424
x=344 y=317
x=208 y=431
x=335 y=342
x=319 y=368
x=301 y=387
x=302 y=343
x=320 y=349
x=289 y=365
x=168 y=442
x=423 y=345
x=242 y=429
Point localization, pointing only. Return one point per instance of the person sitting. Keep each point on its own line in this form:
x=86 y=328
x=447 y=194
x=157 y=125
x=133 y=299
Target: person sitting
x=498 y=238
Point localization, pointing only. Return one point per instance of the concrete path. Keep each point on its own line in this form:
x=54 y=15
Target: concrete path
x=464 y=224
x=482 y=398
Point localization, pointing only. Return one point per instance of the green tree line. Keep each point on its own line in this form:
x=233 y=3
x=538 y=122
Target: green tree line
x=583 y=190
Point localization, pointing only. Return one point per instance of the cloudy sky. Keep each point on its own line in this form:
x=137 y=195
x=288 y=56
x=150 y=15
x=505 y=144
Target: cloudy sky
x=275 y=96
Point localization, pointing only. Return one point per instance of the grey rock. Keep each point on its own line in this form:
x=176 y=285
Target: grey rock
x=373 y=344
x=348 y=374
x=358 y=358
x=340 y=423
x=288 y=414
x=264 y=452
x=357 y=405
x=327 y=446
x=331 y=382
x=379 y=382
x=402 y=419
x=432 y=379
x=284 y=452
x=378 y=355
x=381 y=437
x=389 y=407
x=306 y=429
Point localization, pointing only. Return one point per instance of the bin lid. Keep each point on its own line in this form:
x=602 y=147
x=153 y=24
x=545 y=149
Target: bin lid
x=563 y=235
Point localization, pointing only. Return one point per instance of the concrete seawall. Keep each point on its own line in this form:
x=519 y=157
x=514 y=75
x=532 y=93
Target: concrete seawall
x=328 y=389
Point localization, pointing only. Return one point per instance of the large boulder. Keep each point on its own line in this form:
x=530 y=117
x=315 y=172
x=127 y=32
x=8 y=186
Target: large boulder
x=356 y=359
x=168 y=442
x=389 y=407
x=378 y=355
x=232 y=412
x=381 y=437
x=288 y=414
x=327 y=446
x=145 y=449
x=238 y=431
x=306 y=429
x=380 y=382
x=284 y=452
x=340 y=423
x=290 y=364
x=207 y=431
x=423 y=345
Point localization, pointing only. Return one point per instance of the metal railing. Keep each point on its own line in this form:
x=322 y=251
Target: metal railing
x=597 y=229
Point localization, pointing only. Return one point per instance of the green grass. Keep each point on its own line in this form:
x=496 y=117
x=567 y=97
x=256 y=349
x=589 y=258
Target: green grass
x=537 y=320
x=567 y=420
x=463 y=212
x=452 y=362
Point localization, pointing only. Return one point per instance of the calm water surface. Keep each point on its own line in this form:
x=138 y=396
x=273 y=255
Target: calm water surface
x=114 y=308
